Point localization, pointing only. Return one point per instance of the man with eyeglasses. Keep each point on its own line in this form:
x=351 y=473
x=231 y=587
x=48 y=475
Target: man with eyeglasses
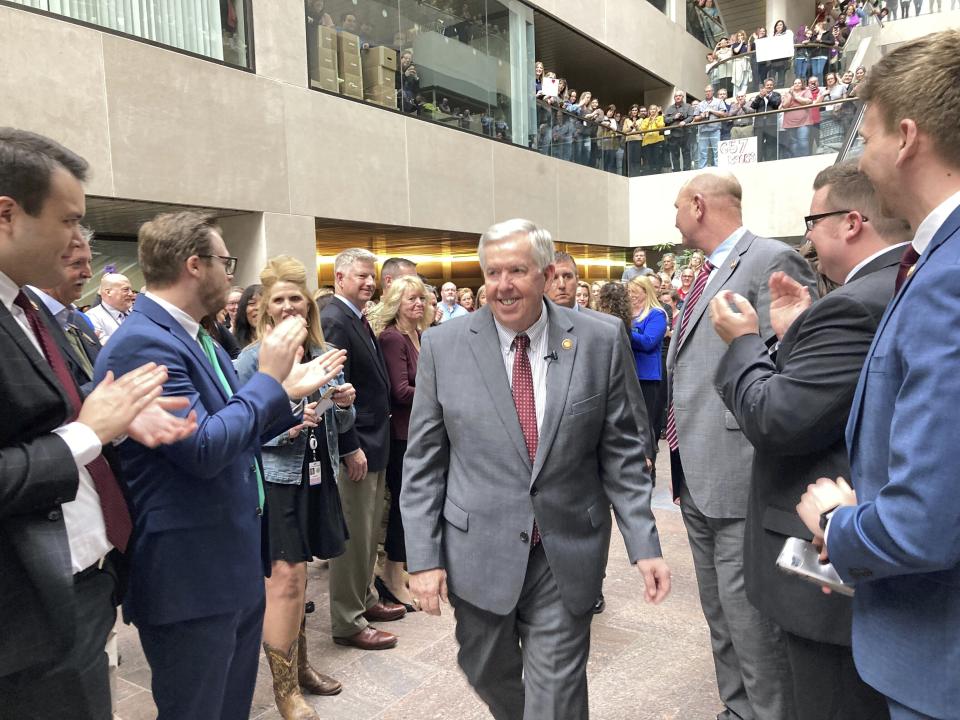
x=792 y=404
x=196 y=590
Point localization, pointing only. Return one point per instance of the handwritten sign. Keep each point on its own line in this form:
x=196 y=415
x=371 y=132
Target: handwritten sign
x=776 y=47
x=740 y=151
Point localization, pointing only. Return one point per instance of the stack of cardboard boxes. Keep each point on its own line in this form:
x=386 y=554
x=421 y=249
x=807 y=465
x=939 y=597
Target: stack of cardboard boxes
x=348 y=55
x=379 y=76
x=324 y=74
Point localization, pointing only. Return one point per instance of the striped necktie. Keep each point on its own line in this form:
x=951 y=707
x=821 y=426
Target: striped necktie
x=688 y=304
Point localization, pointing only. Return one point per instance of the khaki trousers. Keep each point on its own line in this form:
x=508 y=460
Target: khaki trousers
x=351 y=574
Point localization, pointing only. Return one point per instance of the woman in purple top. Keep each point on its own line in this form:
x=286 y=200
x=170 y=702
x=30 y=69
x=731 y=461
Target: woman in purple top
x=399 y=320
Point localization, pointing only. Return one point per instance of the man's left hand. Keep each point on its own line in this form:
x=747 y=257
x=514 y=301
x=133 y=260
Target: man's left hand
x=731 y=324
x=155 y=425
x=656 y=579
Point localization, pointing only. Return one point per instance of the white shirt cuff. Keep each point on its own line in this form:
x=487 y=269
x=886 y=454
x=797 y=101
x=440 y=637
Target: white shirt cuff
x=826 y=530
x=83 y=442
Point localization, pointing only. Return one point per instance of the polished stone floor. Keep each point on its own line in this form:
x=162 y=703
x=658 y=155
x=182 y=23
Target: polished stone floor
x=646 y=662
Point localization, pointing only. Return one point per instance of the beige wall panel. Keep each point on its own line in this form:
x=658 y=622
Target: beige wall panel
x=450 y=178
x=583 y=196
x=188 y=131
x=293 y=235
x=525 y=185
x=618 y=210
x=346 y=160
x=588 y=18
x=769 y=208
x=57 y=87
x=244 y=237
x=280 y=45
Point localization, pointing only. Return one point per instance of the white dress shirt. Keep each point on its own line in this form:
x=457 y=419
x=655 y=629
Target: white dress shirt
x=536 y=352
x=866 y=261
x=83 y=517
x=723 y=250
x=191 y=326
x=932 y=222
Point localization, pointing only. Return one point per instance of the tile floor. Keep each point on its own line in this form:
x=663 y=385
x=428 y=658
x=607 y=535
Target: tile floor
x=646 y=663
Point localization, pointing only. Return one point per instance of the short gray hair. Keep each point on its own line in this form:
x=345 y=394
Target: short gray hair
x=541 y=243
x=351 y=256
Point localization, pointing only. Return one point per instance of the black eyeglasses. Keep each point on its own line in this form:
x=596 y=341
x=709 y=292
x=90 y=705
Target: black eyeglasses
x=230 y=263
x=811 y=220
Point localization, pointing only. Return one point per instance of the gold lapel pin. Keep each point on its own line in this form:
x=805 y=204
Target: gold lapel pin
x=733 y=265
x=567 y=344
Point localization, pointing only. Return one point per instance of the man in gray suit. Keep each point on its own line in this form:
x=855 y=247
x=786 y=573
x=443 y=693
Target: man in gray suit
x=522 y=436
x=713 y=477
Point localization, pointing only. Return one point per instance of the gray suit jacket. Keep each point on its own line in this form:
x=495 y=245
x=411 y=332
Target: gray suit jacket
x=716 y=456
x=470 y=493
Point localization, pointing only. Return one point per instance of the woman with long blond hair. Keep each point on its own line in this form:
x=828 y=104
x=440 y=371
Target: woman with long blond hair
x=305 y=518
x=399 y=321
x=647 y=330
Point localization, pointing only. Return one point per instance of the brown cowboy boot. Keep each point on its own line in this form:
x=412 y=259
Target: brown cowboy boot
x=286 y=691
x=311 y=680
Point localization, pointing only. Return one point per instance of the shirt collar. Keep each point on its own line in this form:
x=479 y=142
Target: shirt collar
x=111 y=310
x=932 y=222
x=719 y=255
x=56 y=308
x=356 y=310
x=8 y=290
x=534 y=332
x=863 y=263
x=191 y=326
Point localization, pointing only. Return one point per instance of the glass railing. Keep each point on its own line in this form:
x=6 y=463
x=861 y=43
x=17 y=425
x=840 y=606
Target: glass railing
x=465 y=65
x=821 y=128
x=704 y=22
x=744 y=74
x=217 y=29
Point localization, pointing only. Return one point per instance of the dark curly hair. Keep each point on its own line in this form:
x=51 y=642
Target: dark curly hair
x=615 y=301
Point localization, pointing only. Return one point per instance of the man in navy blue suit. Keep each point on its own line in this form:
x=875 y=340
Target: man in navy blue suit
x=898 y=537
x=196 y=589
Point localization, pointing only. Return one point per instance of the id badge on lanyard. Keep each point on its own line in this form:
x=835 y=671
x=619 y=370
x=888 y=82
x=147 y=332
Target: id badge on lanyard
x=315 y=468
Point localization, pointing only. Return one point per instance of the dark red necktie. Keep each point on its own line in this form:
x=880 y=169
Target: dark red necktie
x=689 y=302
x=116 y=516
x=909 y=259
x=526 y=404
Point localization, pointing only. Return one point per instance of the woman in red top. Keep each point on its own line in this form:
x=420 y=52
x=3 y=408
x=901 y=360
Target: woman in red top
x=399 y=320
x=686 y=282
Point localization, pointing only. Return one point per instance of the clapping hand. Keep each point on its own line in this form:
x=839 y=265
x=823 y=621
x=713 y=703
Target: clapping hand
x=788 y=299
x=114 y=404
x=729 y=323
x=156 y=425
x=306 y=378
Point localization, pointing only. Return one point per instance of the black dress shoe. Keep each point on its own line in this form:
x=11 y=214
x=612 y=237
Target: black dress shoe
x=600 y=605
x=385 y=594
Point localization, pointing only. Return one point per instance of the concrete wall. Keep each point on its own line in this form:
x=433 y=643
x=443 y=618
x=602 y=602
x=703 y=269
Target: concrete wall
x=159 y=126
x=770 y=208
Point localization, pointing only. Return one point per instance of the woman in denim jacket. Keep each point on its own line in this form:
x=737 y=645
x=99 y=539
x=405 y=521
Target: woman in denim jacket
x=304 y=515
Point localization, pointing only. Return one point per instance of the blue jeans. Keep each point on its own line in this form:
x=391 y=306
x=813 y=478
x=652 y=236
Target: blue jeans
x=817 y=65
x=801 y=67
x=798 y=141
x=708 y=141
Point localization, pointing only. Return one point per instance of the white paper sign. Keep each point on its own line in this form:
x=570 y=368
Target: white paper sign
x=550 y=87
x=739 y=151
x=774 y=48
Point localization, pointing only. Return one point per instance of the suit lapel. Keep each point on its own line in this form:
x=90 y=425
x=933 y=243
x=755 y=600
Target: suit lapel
x=559 y=372
x=363 y=337
x=485 y=345
x=161 y=317
x=946 y=231
x=39 y=363
x=63 y=343
x=715 y=284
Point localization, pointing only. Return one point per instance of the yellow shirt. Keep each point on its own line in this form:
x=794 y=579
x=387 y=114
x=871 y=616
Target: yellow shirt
x=652 y=124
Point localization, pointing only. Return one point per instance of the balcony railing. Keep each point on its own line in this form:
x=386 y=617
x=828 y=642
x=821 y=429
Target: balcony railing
x=820 y=128
x=743 y=74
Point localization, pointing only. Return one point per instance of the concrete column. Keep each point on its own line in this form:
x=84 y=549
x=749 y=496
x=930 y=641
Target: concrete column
x=793 y=13
x=254 y=237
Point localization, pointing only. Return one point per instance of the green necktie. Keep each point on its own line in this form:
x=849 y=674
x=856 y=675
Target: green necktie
x=206 y=342
x=73 y=337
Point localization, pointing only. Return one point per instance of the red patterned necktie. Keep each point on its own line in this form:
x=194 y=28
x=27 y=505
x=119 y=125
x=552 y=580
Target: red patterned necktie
x=688 y=304
x=909 y=259
x=526 y=404
x=116 y=516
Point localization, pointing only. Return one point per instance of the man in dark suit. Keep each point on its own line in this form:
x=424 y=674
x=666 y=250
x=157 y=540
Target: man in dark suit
x=196 y=578
x=793 y=408
x=897 y=538
x=364 y=449
x=766 y=100
x=62 y=512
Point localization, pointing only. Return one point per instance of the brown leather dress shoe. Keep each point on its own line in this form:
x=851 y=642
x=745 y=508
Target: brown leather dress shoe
x=369 y=639
x=385 y=612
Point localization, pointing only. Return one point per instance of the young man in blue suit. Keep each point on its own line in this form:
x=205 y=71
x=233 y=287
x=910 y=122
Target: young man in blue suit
x=898 y=538
x=196 y=589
